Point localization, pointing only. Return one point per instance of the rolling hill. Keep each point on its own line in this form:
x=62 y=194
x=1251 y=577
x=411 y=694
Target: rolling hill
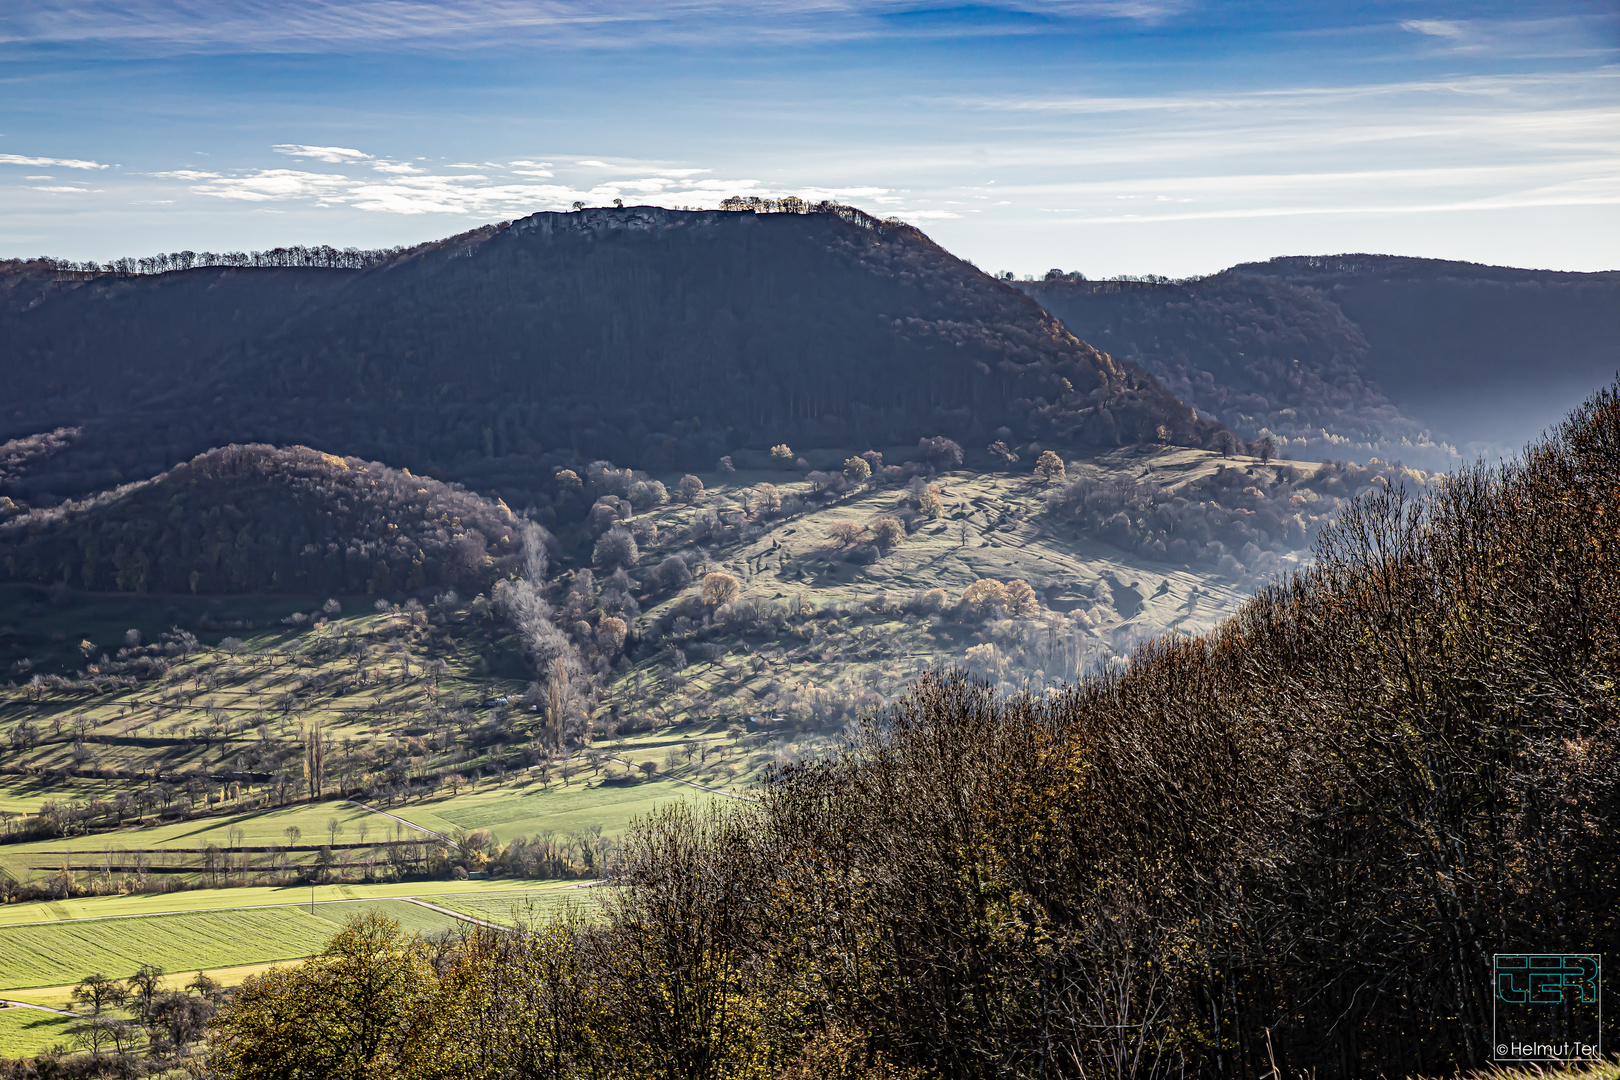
x=1428 y=361
x=657 y=338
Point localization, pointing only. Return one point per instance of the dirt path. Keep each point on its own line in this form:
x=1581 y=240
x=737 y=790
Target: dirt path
x=10 y=1004
x=463 y=916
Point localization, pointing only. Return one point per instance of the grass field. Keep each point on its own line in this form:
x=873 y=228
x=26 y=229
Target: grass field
x=26 y=1032
x=510 y=908
x=26 y=794
x=61 y=996
x=94 y=907
x=259 y=829
x=48 y=954
x=510 y=811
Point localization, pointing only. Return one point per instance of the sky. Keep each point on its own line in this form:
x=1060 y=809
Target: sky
x=1172 y=137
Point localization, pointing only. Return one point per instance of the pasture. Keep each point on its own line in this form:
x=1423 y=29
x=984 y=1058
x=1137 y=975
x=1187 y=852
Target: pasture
x=531 y=808
x=48 y=954
x=26 y=1032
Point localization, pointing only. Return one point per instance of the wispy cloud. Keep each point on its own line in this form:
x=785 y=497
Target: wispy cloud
x=348 y=25
x=492 y=192
x=63 y=163
x=335 y=155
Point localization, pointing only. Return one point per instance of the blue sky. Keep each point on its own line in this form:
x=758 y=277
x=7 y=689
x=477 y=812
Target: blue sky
x=1107 y=136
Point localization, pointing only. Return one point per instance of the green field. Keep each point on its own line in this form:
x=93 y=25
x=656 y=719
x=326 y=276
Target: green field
x=194 y=900
x=26 y=1032
x=25 y=795
x=54 y=953
x=259 y=829
x=524 y=811
x=528 y=907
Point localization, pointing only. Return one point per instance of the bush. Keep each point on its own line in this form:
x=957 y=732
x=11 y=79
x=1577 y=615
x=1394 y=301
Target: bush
x=691 y=489
x=782 y=456
x=720 y=588
x=845 y=533
x=610 y=634
x=674 y=573
x=984 y=597
x=1049 y=466
x=930 y=504
x=940 y=452
x=857 y=470
x=887 y=533
x=767 y=500
x=616 y=547
x=646 y=494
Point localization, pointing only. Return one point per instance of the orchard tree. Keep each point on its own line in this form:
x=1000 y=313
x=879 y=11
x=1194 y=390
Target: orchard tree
x=1050 y=466
x=857 y=470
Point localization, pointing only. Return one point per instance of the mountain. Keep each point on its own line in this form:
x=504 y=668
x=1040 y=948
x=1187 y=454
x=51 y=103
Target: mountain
x=265 y=519
x=1357 y=355
x=653 y=337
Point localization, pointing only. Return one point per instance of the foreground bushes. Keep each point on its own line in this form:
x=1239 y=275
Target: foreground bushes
x=1297 y=840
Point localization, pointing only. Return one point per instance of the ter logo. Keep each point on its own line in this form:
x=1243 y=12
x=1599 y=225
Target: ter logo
x=1546 y=980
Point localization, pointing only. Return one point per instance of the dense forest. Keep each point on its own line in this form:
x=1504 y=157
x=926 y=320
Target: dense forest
x=266 y=519
x=654 y=337
x=1288 y=847
x=1417 y=359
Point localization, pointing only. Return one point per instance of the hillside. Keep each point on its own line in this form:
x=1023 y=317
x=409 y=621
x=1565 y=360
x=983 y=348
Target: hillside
x=263 y=519
x=1428 y=361
x=654 y=337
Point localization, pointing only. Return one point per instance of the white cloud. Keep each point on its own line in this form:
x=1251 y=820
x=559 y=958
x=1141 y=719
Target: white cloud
x=396 y=167
x=1443 y=28
x=63 y=163
x=74 y=190
x=333 y=155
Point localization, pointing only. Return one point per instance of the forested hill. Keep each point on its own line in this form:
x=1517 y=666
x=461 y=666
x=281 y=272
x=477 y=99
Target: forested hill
x=266 y=519
x=653 y=337
x=1352 y=355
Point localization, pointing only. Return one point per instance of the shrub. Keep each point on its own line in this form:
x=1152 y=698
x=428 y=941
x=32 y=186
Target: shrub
x=646 y=494
x=691 y=489
x=1049 y=466
x=887 y=533
x=725 y=465
x=845 y=532
x=1001 y=453
x=1021 y=599
x=857 y=470
x=616 y=547
x=720 y=588
x=940 y=452
x=982 y=598
x=767 y=500
x=782 y=456
x=674 y=573
x=610 y=634
x=930 y=504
